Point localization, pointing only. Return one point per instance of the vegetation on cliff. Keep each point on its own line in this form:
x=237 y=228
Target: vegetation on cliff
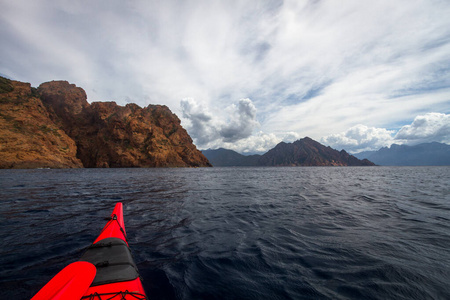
x=54 y=126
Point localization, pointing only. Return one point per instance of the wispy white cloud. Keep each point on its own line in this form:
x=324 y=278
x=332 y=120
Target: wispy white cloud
x=311 y=67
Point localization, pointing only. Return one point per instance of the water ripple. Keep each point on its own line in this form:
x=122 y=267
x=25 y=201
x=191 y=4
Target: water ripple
x=238 y=233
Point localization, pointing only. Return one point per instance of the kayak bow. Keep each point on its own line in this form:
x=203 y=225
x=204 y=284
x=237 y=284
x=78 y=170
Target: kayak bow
x=116 y=275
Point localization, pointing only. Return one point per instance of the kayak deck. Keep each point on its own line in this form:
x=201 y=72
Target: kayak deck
x=105 y=271
x=117 y=275
x=113 y=260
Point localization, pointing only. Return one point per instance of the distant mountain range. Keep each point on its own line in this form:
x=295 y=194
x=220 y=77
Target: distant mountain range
x=228 y=158
x=304 y=152
x=428 y=154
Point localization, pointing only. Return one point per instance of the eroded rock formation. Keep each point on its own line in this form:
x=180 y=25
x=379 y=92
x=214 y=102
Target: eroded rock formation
x=28 y=136
x=101 y=134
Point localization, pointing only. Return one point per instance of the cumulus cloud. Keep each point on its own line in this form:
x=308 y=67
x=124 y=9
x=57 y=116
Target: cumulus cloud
x=290 y=137
x=426 y=128
x=431 y=127
x=360 y=138
x=207 y=129
x=202 y=126
x=242 y=122
x=232 y=128
x=257 y=143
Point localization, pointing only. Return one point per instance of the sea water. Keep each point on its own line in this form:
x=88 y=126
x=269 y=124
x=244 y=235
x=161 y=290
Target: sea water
x=238 y=233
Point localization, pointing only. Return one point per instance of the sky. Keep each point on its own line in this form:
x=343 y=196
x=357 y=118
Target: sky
x=245 y=75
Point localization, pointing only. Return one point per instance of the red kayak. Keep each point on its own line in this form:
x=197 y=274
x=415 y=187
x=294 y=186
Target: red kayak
x=105 y=271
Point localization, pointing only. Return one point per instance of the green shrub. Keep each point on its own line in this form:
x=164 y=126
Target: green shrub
x=46 y=129
x=34 y=93
x=5 y=85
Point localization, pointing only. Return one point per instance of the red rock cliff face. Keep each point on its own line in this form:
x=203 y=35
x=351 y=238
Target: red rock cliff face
x=109 y=135
x=28 y=136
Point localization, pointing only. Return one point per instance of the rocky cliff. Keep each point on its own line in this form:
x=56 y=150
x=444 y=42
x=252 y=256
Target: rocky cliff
x=104 y=134
x=307 y=152
x=28 y=136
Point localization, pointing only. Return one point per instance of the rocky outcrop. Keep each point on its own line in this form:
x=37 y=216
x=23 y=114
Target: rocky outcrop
x=28 y=136
x=109 y=135
x=307 y=152
x=101 y=134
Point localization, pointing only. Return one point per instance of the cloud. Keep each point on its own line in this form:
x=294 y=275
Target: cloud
x=310 y=67
x=242 y=122
x=426 y=128
x=257 y=143
x=202 y=126
x=290 y=137
x=373 y=64
x=360 y=138
x=207 y=129
x=233 y=128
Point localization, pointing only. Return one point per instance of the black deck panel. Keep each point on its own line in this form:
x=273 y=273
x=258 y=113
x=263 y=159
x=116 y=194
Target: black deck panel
x=113 y=261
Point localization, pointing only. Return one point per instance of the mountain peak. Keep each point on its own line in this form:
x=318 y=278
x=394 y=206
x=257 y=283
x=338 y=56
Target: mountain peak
x=303 y=152
x=308 y=152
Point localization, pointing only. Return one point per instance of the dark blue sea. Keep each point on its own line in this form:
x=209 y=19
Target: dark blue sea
x=238 y=233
